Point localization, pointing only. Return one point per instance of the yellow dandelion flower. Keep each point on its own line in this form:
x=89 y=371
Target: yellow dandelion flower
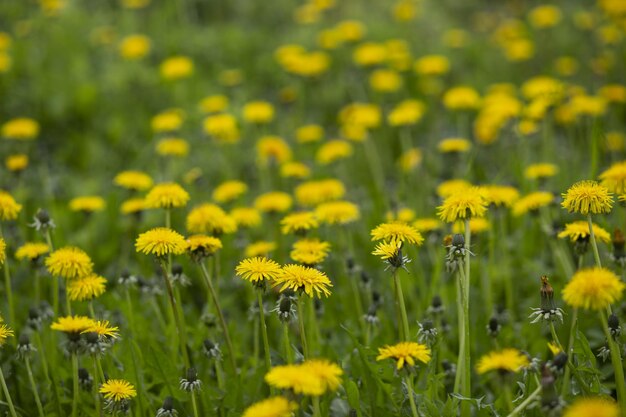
x=211 y=219
x=17 y=162
x=427 y=224
x=133 y=206
x=21 y=128
x=260 y=112
x=539 y=171
x=133 y=180
x=464 y=204
x=477 y=225
x=293 y=377
x=406 y=113
x=5 y=333
x=332 y=151
x=161 y=241
x=461 y=98
x=167 y=121
x=271 y=407
x=327 y=372
x=587 y=197
x=309 y=133
x=405 y=354
x=313 y=193
x=87 y=204
x=3 y=253
x=246 y=216
x=260 y=248
x=387 y=250
x=134 y=47
x=593 y=289
x=410 y=159
x=229 y=191
x=103 y=328
x=272 y=149
x=397 y=232
x=450 y=187
x=532 y=202
x=72 y=324
x=167 y=195
x=294 y=169
x=9 y=209
x=273 y=202
x=117 y=390
x=309 y=251
x=69 y=262
x=172 y=147
x=86 y=288
x=223 y=127
x=432 y=65
x=258 y=269
x=303 y=278
x=579 y=230
x=404 y=215
x=337 y=212
x=500 y=195
x=505 y=360
x=176 y=68
x=298 y=223
x=554 y=348
x=202 y=246
x=593 y=407
x=614 y=178
x=214 y=104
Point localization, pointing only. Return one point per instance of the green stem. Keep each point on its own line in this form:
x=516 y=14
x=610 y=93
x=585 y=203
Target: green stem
x=526 y=402
x=96 y=379
x=594 y=245
x=409 y=390
x=194 y=404
x=401 y=306
x=316 y=407
x=182 y=336
x=34 y=387
x=7 y=395
x=216 y=303
x=266 y=343
x=460 y=291
x=9 y=292
x=616 y=359
x=305 y=347
x=75 y=385
x=555 y=336
x=466 y=388
x=570 y=353
x=288 y=352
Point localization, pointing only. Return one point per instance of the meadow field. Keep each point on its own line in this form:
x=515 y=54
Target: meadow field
x=343 y=208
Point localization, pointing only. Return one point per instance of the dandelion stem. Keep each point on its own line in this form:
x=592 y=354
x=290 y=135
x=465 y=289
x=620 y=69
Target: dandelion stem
x=231 y=351
x=96 y=379
x=526 y=402
x=570 y=352
x=411 y=395
x=194 y=404
x=316 y=407
x=594 y=245
x=6 y=394
x=75 y=385
x=466 y=387
x=182 y=336
x=305 y=347
x=616 y=359
x=288 y=352
x=404 y=334
x=266 y=343
x=33 y=387
x=7 y=285
x=555 y=336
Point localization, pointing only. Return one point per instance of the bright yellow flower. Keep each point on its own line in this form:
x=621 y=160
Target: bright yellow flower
x=69 y=262
x=167 y=195
x=201 y=246
x=176 y=68
x=532 y=202
x=452 y=145
x=332 y=151
x=258 y=269
x=229 y=191
x=366 y=115
x=133 y=206
x=167 y=121
x=614 y=178
x=309 y=133
x=328 y=373
x=246 y=216
x=161 y=241
x=397 y=232
x=117 y=390
x=313 y=377
x=214 y=104
x=385 y=81
x=103 y=328
x=337 y=212
x=369 y=54
x=211 y=219
x=309 y=251
x=21 y=128
x=223 y=127
x=86 y=288
x=17 y=162
x=273 y=202
x=260 y=248
x=432 y=65
x=295 y=170
x=3 y=253
x=5 y=333
x=271 y=407
x=72 y=324
x=410 y=159
x=476 y=225
x=539 y=171
x=404 y=215
x=580 y=230
x=298 y=223
x=133 y=180
x=272 y=149
x=593 y=289
x=87 y=204
x=405 y=354
x=500 y=195
x=587 y=197
x=545 y=16
x=260 y=112
x=172 y=147
x=134 y=47
x=387 y=250
x=313 y=193
x=461 y=98
x=505 y=360
x=593 y=407
x=450 y=187
x=464 y=204
x=303 y=278
x=427 y=224
x=406 y=113
x=9 y=209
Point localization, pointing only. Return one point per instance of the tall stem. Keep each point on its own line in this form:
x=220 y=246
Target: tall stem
x=316 y=407
x=401 y=306
x=467 y=389
x=216 y=303
x=526 y=402
x=75 y=385
x=305 y=347
x=96 y=379
x=7 y=395
x=409 y=390
x=266 y=343
x=594 y=245
x=570 y=352
x=288 y=352
x=33 y=386
x=182 y=335
x=616 y=359
x=194 y=404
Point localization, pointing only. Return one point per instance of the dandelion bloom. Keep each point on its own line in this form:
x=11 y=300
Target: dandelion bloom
x=586 y=197
x=117 y=390
x=258 y=269
x=406 y=113
x=397 y=232
x=476 y=225
x=532 y=202
x=403 y=215
x=87 y=204
x=161 y=241
x=463 y=204
x=133 y=206
x=103 y=328
x=272 y=149
x=17 y=162
x=172 y=147
x=295 y=169
x=294 y=378
x=273 y=202
x=260 y=248
x=387 y=250
x=258 y=112
x=309 y=251
x=405 y=353
x=593 y=288
x=134 y=47
x=133 y=180
x=167 y=121
x=505 y=360
x=540 y=171
x=593 y=407
x=21 y=128
x=337 y=212
x=309 y=133
x=332 y=151
x=327 y=372
x=72 y=324
x=579 y=230
x=229 y=191
x=303 y=278
x=3 y=254
x=5 y=333
x=313 y=193
x=271 y=407
x=447 y=188
x=9 y=209
x=461 y=98
x=500 y=195
x=214 y=104
x=202 y=246
x=167 y=195
x=298 y=223
x=211 y=219
x=86 y=288
x=614 y=178
x=246 y=216
x=69 y=262
x=176 y=68
x=427 y=224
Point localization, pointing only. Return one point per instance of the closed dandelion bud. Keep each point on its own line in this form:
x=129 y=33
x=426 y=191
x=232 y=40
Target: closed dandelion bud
x=493 y=327
x=447 y=240
x=84 y=379
x=614 y=325
x=34 y=318
x=547 y=294
x=560 y=360
x=376 y=298
x=619 y=255
x=350 y=264
x=365 y=279
x=211 y=349
x=167 y=409
x=42 y=220
x=548 y=310
x=179 y=276
x=284 y=309
x=24 y=347
x=458 y=240
x=190 y=382
x=436 y=306
x=427 y=332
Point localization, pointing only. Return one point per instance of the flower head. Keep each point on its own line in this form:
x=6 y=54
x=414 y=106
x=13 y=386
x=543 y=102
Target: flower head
x=500 y=195
x=103 y=329
x=327 y=372
x=86 y=288
x=303 y=278
x=593 y=289
x=167 y=195
x=260 y=248
x=201 y=246
x=117 y=390
x=337 y=212
x=313 y=377
x=593 y=407
x=69 y=262
x=31 y=251
x=309 y=251
x=133 y=206
x=579 y=230
x=87 y=204
x=298 y=223
x=72 y=324
x=405 y=354
x=258 y=269
x=505 y=360
x=463 y=204
x=313 y=193
x=5 y=333
x=587 y=197
x=9 y=209
x=271 y=407
x=211 y=219
x=133 y=180
x=397 y=232
x=273 y=202
x=229 y=191
x=175 y=147
x=540 y=171
x=454 y=145
x=532 y=202
x=161 y=241
x=21 y=128
x=246 y=216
